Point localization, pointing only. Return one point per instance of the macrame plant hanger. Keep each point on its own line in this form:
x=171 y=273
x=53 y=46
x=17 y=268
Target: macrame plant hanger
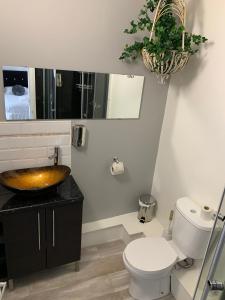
x=178 y=59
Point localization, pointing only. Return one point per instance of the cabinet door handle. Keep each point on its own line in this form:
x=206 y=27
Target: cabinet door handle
x=53 y=228
x=39 y=232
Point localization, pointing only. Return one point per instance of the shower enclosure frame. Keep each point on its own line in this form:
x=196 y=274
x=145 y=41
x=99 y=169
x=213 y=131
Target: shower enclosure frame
x=211 y=282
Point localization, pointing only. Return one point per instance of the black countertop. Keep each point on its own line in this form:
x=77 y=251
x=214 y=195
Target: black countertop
x=68 y=191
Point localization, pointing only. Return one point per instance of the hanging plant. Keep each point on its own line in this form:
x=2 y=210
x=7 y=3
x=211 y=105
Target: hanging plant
x=168 y=46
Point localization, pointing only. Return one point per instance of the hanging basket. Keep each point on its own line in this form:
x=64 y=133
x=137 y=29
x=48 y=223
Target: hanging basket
x=167 y=67
x=178 y=59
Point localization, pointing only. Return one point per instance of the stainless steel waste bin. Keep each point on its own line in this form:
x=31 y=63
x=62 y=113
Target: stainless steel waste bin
x=147 y=208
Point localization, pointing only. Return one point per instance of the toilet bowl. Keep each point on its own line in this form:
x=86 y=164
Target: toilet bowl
x=150 y=260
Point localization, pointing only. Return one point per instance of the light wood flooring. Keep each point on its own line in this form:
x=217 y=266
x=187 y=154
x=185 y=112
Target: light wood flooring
x=102 y=276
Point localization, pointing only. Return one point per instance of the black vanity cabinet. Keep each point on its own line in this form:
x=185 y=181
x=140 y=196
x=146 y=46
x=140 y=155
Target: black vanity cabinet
x=42 y=232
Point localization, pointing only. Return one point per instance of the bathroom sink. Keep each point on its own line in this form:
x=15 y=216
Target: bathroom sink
x=34 y=179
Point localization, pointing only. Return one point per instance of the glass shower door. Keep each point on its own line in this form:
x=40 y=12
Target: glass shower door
x=211 y=285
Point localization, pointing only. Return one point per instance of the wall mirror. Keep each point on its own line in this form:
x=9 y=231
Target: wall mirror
x=34 y=93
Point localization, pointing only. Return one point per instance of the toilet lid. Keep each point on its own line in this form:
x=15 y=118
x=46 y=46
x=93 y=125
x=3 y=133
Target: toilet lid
x=150 y=254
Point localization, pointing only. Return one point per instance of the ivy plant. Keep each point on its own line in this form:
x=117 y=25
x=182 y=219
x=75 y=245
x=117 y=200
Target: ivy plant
x=167 y=35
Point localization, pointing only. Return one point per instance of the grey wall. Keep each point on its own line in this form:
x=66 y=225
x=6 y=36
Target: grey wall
x=87 y=35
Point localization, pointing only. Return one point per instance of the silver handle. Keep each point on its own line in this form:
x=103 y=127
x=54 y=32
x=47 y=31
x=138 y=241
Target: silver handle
x=215 y=285
x=59 y=80
x=221 y=217
x=39 y=232
x=2 y=289
x=53 y=228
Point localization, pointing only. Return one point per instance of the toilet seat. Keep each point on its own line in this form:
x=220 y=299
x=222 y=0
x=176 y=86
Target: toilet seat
x=150 y=255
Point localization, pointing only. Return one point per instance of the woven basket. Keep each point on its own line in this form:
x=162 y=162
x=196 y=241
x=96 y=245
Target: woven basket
x=178 y=59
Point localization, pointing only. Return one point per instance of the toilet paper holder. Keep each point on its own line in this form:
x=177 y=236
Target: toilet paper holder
x=117 y=167
x=116 y=159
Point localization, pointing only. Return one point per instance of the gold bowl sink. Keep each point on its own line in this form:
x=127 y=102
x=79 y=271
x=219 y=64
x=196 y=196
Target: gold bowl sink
x=34 y=179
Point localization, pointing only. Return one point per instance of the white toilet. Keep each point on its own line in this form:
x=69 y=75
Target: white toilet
x=150 y=260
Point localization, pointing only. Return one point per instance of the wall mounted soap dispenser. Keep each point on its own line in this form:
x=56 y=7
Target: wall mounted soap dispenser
x=78 y=136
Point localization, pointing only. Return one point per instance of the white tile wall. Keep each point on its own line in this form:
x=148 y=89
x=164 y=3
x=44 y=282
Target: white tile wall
x=28 y=144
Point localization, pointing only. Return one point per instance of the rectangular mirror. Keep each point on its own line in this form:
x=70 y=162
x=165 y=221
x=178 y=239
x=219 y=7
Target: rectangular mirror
x=49 y=94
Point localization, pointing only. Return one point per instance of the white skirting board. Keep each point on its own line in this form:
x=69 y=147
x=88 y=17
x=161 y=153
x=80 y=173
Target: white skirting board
x=178 y=291
x=105 y=235
x=129 y=221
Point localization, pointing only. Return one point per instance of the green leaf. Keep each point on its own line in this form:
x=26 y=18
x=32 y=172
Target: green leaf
x=167 y=36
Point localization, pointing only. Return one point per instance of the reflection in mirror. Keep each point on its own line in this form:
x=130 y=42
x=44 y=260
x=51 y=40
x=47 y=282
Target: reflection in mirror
x=34 y=93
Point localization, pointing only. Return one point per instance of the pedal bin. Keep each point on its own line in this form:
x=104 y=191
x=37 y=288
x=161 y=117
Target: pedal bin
x=147 y=208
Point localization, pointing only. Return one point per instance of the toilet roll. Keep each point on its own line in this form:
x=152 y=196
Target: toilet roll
x=117 y=168
x=206 y=212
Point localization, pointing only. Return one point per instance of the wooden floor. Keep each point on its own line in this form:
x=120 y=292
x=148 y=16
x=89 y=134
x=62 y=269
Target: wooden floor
x=101 y=277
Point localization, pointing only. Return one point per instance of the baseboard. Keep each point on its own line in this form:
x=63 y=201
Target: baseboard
x=177 y=289
x=105 y=235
